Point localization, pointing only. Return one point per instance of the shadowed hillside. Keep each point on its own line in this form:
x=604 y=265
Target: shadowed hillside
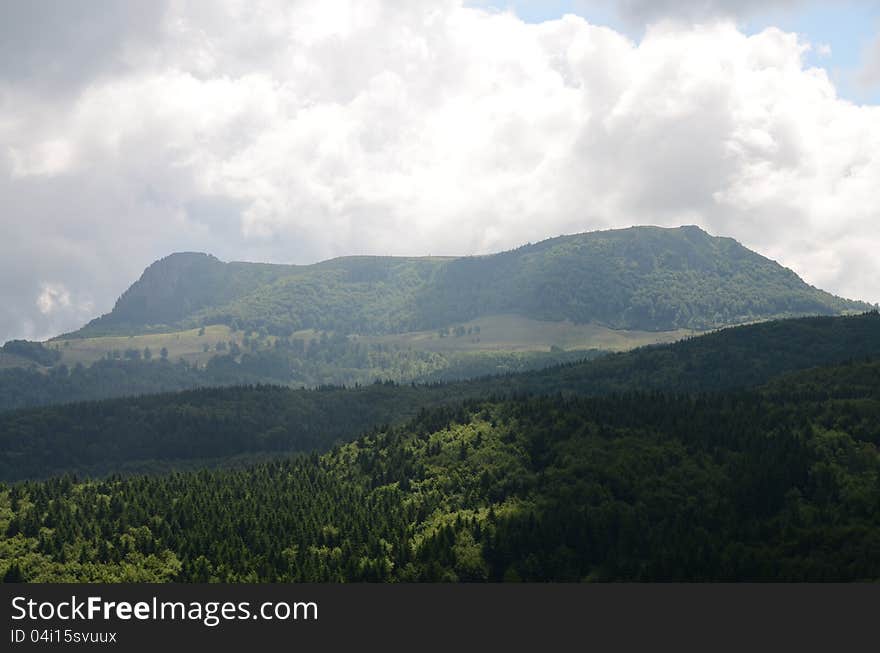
x=214 y=426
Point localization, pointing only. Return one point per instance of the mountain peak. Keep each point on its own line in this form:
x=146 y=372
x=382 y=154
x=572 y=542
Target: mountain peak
x=186 y=256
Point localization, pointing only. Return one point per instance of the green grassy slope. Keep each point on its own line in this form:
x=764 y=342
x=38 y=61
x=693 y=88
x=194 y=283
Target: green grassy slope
x=491 y=333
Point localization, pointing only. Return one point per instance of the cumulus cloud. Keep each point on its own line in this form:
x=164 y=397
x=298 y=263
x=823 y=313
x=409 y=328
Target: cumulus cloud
x=57 y=45
x=297 y=131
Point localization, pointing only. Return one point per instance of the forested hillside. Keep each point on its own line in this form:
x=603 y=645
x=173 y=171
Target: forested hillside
x=639 y=278
x=208 y=426
x=775 y=484
x=330 y=361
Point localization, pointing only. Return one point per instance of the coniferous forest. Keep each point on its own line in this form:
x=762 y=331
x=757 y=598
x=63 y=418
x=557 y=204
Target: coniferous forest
x=778 y=480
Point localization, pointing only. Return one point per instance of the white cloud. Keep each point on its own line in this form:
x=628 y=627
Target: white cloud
x=47 y=158
x=52 y=296
x=293 y=132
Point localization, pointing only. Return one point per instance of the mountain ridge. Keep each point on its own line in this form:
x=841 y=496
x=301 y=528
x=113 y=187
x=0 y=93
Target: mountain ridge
x=645 y=277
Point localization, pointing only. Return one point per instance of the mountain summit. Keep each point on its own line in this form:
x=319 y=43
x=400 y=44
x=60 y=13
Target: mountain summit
x=646 y=278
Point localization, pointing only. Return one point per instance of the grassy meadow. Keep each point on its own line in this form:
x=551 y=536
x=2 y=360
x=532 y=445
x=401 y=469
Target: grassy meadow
x=495 y=333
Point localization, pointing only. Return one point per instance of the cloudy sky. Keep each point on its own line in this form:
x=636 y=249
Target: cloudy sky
x=293 y=131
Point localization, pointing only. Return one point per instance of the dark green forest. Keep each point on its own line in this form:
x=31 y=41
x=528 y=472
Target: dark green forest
x=775 y=483
x=205 y=426
x=646 y=278
x=747 y=454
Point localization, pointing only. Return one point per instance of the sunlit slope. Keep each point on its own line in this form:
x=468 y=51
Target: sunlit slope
x=517 y=333
x=195 y=346
x=503 y=333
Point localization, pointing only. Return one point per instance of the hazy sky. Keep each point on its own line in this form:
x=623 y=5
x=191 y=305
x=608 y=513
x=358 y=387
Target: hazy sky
x=296 y=131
